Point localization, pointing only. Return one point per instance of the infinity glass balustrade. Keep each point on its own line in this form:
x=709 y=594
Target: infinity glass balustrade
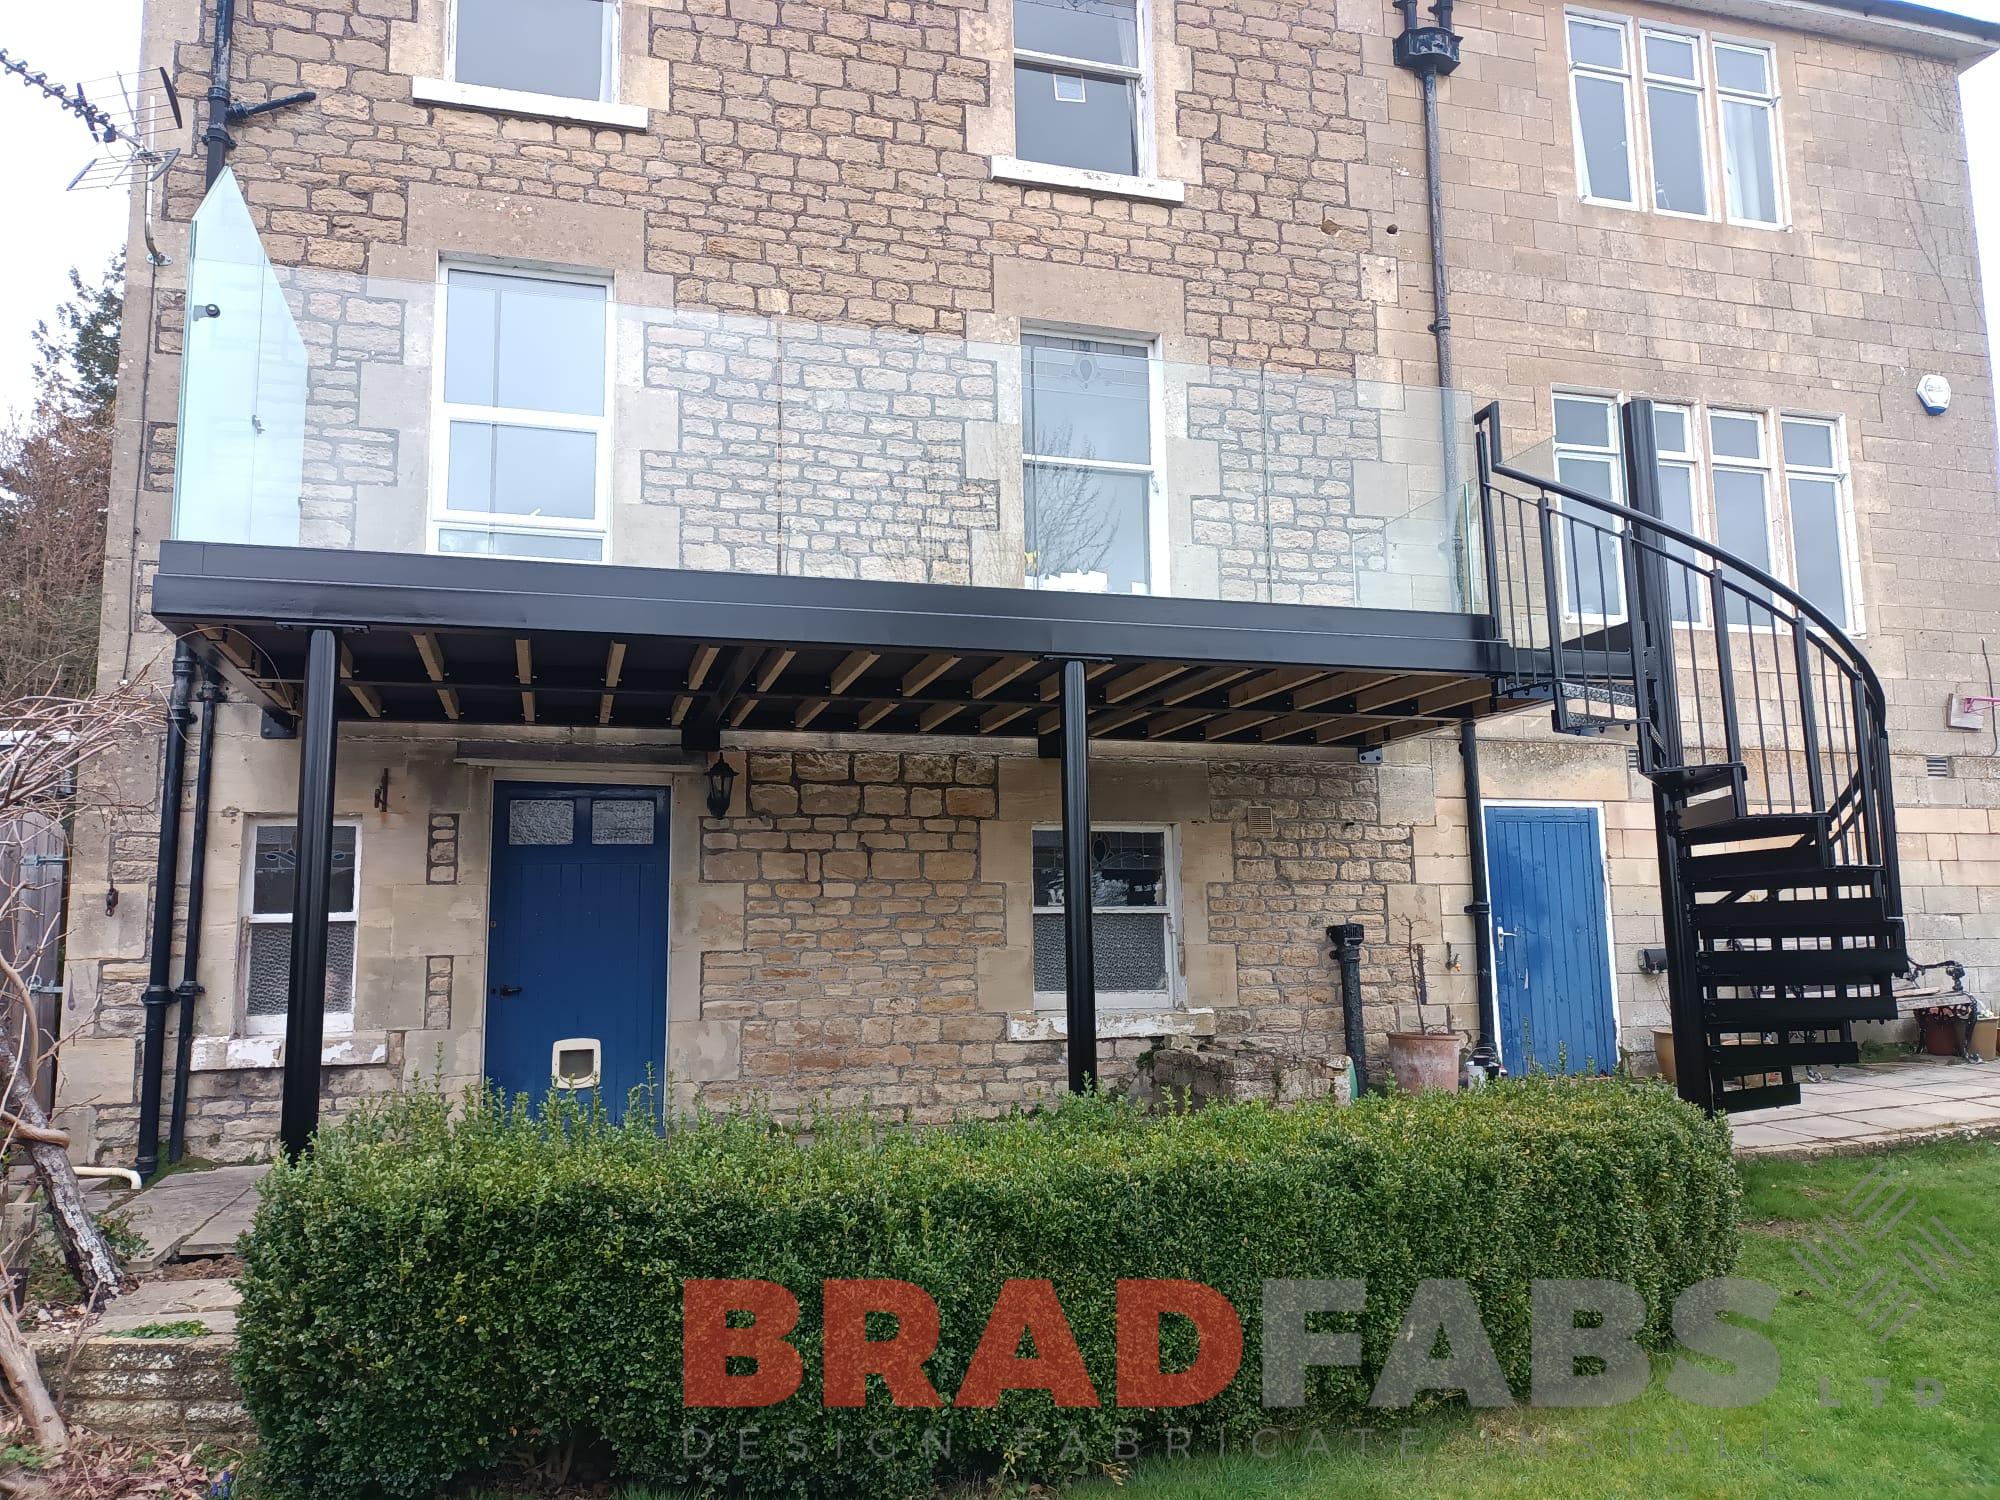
x=500 y=411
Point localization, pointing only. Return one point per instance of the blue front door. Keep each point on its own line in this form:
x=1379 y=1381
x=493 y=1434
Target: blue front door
x=576 y=967
x=1551 y=939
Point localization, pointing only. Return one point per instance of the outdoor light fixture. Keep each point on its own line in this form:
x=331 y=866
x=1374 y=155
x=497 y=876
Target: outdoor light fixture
x=721 y=783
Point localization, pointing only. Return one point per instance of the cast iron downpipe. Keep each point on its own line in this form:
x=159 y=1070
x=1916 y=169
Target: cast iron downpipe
x=1485 y=1054
x=189 y=989
x=223 y=111
x=305 y=1001
x=159 y=956
x=1079 y=954
x=1346 y=940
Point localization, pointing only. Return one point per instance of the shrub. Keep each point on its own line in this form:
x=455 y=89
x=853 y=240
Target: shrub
x=426 y=1297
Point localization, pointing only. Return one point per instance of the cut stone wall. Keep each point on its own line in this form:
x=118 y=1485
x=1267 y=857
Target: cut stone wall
x=166 y=1390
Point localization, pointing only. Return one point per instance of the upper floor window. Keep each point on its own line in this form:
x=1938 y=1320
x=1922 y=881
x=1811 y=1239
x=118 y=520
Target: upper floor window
x=1087 y=441
x=1780 y=503
x=565 y=48
x=1131 y=918
x=523 y=435
x=1079 y=85
x=1652 y=126
x=267 y=947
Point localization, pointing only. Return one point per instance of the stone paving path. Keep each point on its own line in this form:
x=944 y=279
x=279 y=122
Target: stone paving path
x=193 y=1213
x=1876 y=1104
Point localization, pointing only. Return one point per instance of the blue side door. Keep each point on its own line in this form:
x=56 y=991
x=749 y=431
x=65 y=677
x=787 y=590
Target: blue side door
x=576 y=967
x=1551 y=939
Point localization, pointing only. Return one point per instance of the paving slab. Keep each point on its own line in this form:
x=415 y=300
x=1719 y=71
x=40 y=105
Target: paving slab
x=1856 y=1105
x=178 y=1208
x=211 y=1301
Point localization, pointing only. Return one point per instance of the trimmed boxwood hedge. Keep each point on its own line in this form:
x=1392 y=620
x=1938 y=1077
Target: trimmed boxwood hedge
x=426 y=1297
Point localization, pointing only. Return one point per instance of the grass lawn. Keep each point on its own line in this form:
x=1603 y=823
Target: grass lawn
x=1795 y=1442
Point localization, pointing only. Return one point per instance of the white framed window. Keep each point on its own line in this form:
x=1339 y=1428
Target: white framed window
x=1739 y=478
x=1677 y=445
x=1134 y=901
x=270 y=879
x=1081 y=96
x=521 y=447
x=565 y=49
x=1600 y=79
x=1587 y=458
x=1674 y=119
x=1090 y=469
x=1821 y=518
x=1748 y=91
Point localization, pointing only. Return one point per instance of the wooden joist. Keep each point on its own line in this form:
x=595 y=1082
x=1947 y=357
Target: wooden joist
x=851 y=667
x=432 y=656
x=367 y=697
x=927 y=671
x=700 y=664
x=1000 y=674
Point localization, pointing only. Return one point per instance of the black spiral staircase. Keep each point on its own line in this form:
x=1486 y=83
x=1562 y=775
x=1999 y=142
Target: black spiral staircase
x=1762 y=729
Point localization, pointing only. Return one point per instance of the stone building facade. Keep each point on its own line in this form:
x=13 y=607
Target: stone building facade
x=766 y=185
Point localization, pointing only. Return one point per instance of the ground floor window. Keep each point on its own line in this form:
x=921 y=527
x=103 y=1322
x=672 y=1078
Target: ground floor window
x=1132 y=903
x=267 y=943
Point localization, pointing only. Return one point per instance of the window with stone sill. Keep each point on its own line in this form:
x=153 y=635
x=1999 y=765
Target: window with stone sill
x=1080 y=85
x=566 y=49
x=1133 y=896
x=269 y=884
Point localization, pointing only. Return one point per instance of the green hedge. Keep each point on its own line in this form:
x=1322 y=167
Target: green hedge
x=426 y=1298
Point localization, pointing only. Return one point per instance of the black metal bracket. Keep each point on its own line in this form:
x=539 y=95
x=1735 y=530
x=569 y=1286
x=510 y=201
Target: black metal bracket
x=236 y=113
x=1427 y=49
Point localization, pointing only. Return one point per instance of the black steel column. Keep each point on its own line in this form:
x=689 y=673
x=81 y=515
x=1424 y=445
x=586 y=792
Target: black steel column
x=1485 y=1051
x=1079 y=955
x=305 y=1012
x=158 y=996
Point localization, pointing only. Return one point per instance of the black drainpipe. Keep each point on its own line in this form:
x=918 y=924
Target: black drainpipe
x=223 y=112
x=1346 y=940
x=1485 y=1054
x=190 y=989
x=158 y=996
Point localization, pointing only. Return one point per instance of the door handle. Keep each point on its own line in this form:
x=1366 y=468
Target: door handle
x=507 y=989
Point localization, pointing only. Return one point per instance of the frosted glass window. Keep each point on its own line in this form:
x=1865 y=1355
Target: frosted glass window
x=562 y=47
x=627 y=820
x=541 y=820
x=1077 y=77
x=1131 y=922
x=267 y=948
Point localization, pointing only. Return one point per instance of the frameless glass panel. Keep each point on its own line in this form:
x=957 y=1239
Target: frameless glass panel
x=623 y=820
x=1748 y=167
x=1743 y=69
x=1817 y=551
x=1743 y=526
x=1586 y=422
x=1090 y=123
x=522 y=471
x=1085 y=398
x=1809 y=444
x=1129 y=951
x=540 y=46
x=1601 y=118
x=1596 y=44
x=541 y=820
x=1100 y=30
x=466 y=541
x=519 y=341
x=268 y=983
x=1089 y=530
x=275 y=864
x=1680 y=181
x=1732 y=436
x=1670 y=56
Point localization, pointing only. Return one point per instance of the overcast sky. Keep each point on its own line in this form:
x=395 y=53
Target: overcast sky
x=41 y=148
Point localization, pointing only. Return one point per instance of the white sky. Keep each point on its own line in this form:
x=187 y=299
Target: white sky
x=41 y=148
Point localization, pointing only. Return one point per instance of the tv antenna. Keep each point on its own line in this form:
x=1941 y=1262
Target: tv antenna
x=130 y=116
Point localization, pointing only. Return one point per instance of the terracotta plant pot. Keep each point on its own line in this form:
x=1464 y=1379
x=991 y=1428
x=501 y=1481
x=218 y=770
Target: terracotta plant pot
x=1663 y=1049
x=1942 y=1033
x=1422 y=1061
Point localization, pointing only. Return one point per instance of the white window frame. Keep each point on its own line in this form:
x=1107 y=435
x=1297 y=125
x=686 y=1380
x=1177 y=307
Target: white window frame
x=1627 y=81
x=1770 y=103
x=1174 y=996
x=1702 y=522
x=1159 y=547
x=1775 y=522
x=444 y=412
x=1139 y=183
x=1615 y=454
x=1635 y=79
x=1847 y=531
x=340 y=1022
x=607 y=77
x=1705 y=115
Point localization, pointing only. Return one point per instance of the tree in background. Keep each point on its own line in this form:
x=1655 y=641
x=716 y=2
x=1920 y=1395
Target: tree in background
x=55 y=471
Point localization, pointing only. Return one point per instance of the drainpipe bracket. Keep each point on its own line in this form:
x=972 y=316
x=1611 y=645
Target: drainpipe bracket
x=1427 y=49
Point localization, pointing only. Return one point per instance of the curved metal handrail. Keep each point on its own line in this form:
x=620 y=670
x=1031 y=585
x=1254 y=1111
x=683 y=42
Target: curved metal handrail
x=1853 y=654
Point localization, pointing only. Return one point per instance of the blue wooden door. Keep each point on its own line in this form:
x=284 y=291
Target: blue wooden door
x=576 y=966
x=1551 y=940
